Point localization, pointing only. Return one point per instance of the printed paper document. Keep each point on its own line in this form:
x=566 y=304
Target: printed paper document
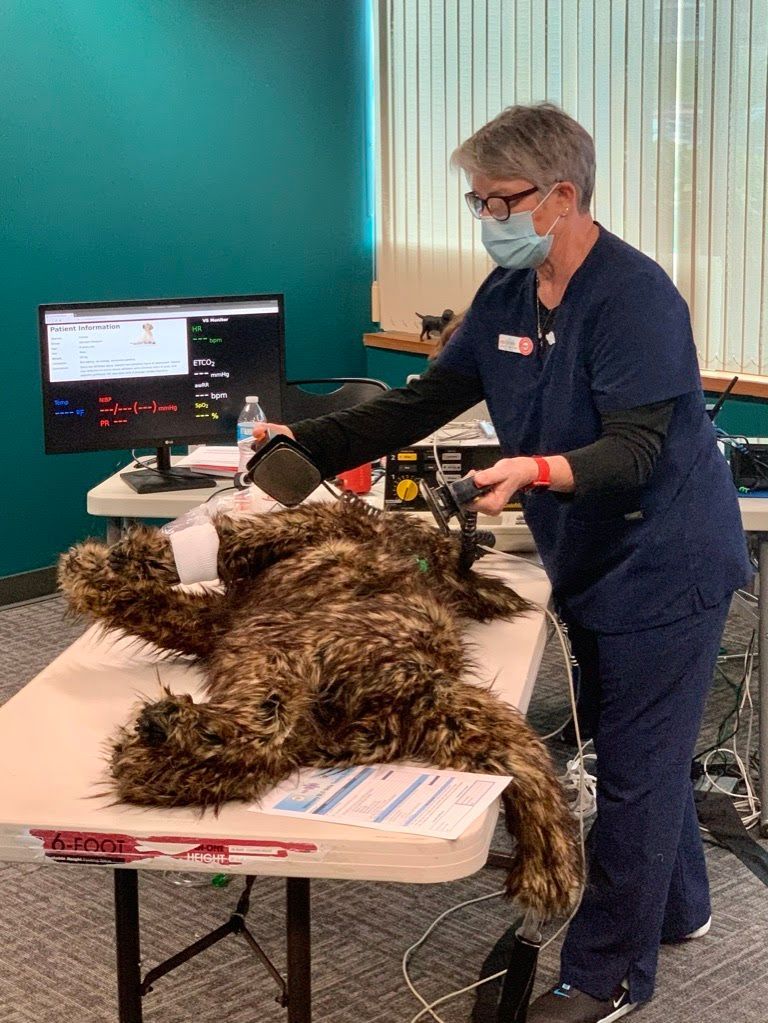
x=391 y=797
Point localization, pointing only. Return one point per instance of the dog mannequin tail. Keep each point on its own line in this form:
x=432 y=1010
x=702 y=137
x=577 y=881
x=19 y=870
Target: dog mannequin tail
x=480 y=733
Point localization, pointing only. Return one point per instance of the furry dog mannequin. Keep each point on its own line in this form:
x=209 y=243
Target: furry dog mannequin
x=302 y=669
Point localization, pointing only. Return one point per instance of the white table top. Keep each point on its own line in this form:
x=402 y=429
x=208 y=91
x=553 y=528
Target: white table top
x=754 y=514
x=115 y=499
x=53 y=736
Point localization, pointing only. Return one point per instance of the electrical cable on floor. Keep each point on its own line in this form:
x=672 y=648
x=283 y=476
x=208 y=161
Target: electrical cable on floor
x=746 y=803
x=417 y=944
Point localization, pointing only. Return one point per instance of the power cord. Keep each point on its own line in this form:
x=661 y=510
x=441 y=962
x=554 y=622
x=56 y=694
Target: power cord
x=581 y=786
x=429 y=1007
x=574 y=668
x=746 y=802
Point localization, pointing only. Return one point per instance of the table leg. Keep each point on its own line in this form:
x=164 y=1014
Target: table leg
x=117 y=527
x=114 y=530
x=127 y=945
x=299 y=950
x=762 y=668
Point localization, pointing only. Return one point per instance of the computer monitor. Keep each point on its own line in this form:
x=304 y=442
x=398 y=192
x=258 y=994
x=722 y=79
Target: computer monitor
x=158 y=372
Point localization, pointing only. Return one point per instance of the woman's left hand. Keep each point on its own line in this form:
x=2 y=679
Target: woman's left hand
x=506 y=476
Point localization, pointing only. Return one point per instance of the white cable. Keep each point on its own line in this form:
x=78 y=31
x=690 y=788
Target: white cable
x=417 y=944
x=557 y=731
x=150 y=463
x=750 y=803
x=747 y=804
x=564 y=646
x=580 y=785
x=453 y=431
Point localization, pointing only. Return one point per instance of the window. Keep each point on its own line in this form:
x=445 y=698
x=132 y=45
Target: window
x=674 y=93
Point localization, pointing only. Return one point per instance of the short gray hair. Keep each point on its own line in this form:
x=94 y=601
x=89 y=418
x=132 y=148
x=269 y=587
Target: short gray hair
x=539 y=143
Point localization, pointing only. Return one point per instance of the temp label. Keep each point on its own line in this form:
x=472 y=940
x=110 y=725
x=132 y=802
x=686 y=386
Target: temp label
x=99 y=847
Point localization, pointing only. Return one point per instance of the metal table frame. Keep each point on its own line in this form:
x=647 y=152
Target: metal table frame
x=295 y=992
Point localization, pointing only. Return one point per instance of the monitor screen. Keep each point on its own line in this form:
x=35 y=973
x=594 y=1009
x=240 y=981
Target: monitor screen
x=140 y=374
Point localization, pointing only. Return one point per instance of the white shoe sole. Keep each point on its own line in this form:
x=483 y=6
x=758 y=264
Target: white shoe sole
x=699 y=932
x=622 y=1011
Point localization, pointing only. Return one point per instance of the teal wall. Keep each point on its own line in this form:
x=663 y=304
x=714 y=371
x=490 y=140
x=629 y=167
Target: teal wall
x=392 y=367
x=172 y=147
x=747 y=417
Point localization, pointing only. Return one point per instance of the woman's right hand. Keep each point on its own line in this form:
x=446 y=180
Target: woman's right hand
x=263 y=431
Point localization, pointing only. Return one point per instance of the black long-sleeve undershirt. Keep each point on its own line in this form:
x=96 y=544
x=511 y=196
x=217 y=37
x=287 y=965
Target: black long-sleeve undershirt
x=624 y=456
x=621 y=459
x=343 y=440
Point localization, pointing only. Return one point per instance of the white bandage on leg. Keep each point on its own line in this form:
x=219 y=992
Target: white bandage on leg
x=196 y=552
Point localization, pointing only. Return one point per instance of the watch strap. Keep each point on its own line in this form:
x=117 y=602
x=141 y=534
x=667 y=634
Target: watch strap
x=544 y=478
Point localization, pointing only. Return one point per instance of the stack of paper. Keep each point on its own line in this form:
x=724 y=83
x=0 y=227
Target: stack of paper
x=213 y=461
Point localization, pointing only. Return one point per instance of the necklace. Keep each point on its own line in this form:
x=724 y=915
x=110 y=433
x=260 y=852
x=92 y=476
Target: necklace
x=545 y=323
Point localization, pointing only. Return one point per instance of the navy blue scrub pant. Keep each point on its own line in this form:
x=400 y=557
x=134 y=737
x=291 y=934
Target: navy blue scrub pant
x=642 y=696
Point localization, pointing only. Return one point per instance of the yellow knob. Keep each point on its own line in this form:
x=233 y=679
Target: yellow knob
x=407 y=490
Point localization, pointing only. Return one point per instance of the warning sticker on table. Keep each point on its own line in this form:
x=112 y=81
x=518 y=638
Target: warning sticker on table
x=100 y=847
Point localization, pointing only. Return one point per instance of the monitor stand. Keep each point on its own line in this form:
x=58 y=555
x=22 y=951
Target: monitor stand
x=165 y=477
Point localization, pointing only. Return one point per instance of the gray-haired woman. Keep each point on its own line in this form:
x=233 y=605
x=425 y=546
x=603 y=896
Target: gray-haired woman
x=582 y=348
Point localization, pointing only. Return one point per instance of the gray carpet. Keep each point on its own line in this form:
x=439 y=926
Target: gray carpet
x=56 y=936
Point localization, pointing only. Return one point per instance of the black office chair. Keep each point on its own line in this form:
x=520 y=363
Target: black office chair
x=299 y=403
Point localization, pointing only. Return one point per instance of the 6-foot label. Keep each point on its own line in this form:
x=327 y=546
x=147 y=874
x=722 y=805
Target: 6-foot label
x=100 y=847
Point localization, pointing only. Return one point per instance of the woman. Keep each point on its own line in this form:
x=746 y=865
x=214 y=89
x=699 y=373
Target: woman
x=582 y=348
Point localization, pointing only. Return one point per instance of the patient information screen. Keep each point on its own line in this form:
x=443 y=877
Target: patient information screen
x=118 y=377
x=111 y=349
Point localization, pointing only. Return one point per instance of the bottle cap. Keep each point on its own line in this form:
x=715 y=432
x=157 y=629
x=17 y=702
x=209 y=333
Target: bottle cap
x=252 y=399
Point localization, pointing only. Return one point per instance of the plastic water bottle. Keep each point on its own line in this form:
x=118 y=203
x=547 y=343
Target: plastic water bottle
x=251 y=414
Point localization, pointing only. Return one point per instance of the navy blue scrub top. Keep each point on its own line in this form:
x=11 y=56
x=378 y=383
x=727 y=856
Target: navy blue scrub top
x=623 y=338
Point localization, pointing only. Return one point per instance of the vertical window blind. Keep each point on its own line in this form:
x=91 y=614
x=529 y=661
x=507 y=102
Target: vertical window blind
x=674 y=94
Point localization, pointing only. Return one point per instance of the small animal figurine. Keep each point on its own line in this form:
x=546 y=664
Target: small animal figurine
x=434 y=324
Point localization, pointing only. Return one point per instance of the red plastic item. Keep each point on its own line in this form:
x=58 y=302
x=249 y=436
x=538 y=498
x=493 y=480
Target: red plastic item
x=357 y=480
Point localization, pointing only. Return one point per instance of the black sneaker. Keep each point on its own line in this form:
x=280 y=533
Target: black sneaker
x=566 y=1004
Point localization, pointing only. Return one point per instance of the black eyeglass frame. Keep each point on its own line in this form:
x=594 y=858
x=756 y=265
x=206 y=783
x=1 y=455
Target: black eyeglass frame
x=476 y=205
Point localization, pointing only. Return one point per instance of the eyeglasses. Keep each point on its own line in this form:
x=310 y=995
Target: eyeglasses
x=499 y=206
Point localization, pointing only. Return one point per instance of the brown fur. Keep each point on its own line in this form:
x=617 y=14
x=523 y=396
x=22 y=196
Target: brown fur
x=337 y=641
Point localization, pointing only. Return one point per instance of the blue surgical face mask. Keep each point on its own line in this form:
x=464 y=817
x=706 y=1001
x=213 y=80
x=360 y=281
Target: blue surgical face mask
x=514 y=243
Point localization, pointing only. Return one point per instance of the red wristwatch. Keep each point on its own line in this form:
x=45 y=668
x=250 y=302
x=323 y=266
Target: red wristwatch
x=544 y=479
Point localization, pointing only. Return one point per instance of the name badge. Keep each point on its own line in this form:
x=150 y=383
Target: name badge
x=516 y=345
